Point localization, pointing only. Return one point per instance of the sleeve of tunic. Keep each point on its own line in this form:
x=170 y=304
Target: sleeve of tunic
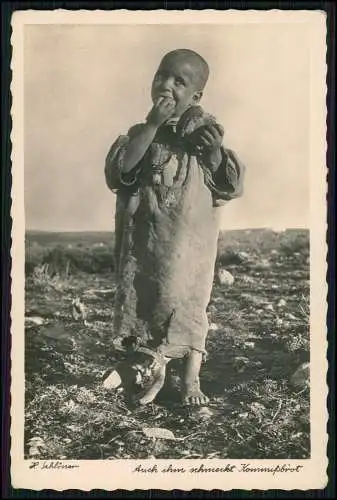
x=114 y=176
x=226 y=183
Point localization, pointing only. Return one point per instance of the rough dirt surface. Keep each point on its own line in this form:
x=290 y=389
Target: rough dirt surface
x=258 y=339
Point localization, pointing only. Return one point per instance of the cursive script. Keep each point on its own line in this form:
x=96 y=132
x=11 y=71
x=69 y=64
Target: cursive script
x=202 y=468
x=54 y=465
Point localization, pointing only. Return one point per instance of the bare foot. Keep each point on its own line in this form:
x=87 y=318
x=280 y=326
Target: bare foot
x=192 y=395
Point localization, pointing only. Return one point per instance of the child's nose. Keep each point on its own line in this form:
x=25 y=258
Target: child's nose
x=167 y=84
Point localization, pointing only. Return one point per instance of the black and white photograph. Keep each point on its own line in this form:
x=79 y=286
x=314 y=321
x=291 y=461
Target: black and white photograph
x=169 y=252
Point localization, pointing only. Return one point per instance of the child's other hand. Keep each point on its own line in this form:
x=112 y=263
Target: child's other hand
x=209 y=137
x=208 y=140
x=161 y=111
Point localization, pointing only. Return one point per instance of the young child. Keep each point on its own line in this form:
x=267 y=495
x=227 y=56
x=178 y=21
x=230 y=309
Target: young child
x=171 y=174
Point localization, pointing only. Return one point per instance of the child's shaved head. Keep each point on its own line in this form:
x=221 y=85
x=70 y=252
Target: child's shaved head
x=195 y=60
x=181 y=77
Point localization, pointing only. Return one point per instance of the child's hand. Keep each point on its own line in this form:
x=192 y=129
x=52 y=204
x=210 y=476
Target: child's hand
x=161 y=111
x=208 y=137
x=208 y=140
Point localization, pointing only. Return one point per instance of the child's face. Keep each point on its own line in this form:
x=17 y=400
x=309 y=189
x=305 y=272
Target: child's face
x=177 y=79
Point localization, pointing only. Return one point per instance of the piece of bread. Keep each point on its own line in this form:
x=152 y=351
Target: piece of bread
x=193 y=118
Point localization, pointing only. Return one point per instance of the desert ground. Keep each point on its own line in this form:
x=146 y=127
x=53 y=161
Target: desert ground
x=256 y=374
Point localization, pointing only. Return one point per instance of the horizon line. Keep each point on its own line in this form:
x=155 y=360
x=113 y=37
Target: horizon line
x=261 y=228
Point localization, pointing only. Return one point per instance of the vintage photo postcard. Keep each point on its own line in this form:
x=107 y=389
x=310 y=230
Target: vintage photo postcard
x=169 y=290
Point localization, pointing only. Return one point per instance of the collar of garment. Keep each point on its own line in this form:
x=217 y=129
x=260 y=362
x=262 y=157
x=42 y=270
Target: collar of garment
x=172 y=123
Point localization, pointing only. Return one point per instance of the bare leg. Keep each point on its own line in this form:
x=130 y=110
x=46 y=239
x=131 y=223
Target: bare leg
x=191 y=384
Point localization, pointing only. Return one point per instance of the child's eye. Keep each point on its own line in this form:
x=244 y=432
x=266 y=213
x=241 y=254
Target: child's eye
x=179 y=82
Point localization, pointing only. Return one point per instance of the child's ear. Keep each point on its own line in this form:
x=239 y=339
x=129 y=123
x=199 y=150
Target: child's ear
x=197 y=96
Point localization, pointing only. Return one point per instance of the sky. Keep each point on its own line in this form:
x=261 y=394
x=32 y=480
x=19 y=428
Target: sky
x=86 y=84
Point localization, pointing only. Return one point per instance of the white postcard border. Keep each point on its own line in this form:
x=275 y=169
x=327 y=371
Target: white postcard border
x=119 y=474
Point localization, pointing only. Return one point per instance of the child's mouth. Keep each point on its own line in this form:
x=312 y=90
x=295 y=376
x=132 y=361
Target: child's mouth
x=165 y=96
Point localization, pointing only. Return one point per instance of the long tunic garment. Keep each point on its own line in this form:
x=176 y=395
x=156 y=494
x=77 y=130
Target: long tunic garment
x=166 y=228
